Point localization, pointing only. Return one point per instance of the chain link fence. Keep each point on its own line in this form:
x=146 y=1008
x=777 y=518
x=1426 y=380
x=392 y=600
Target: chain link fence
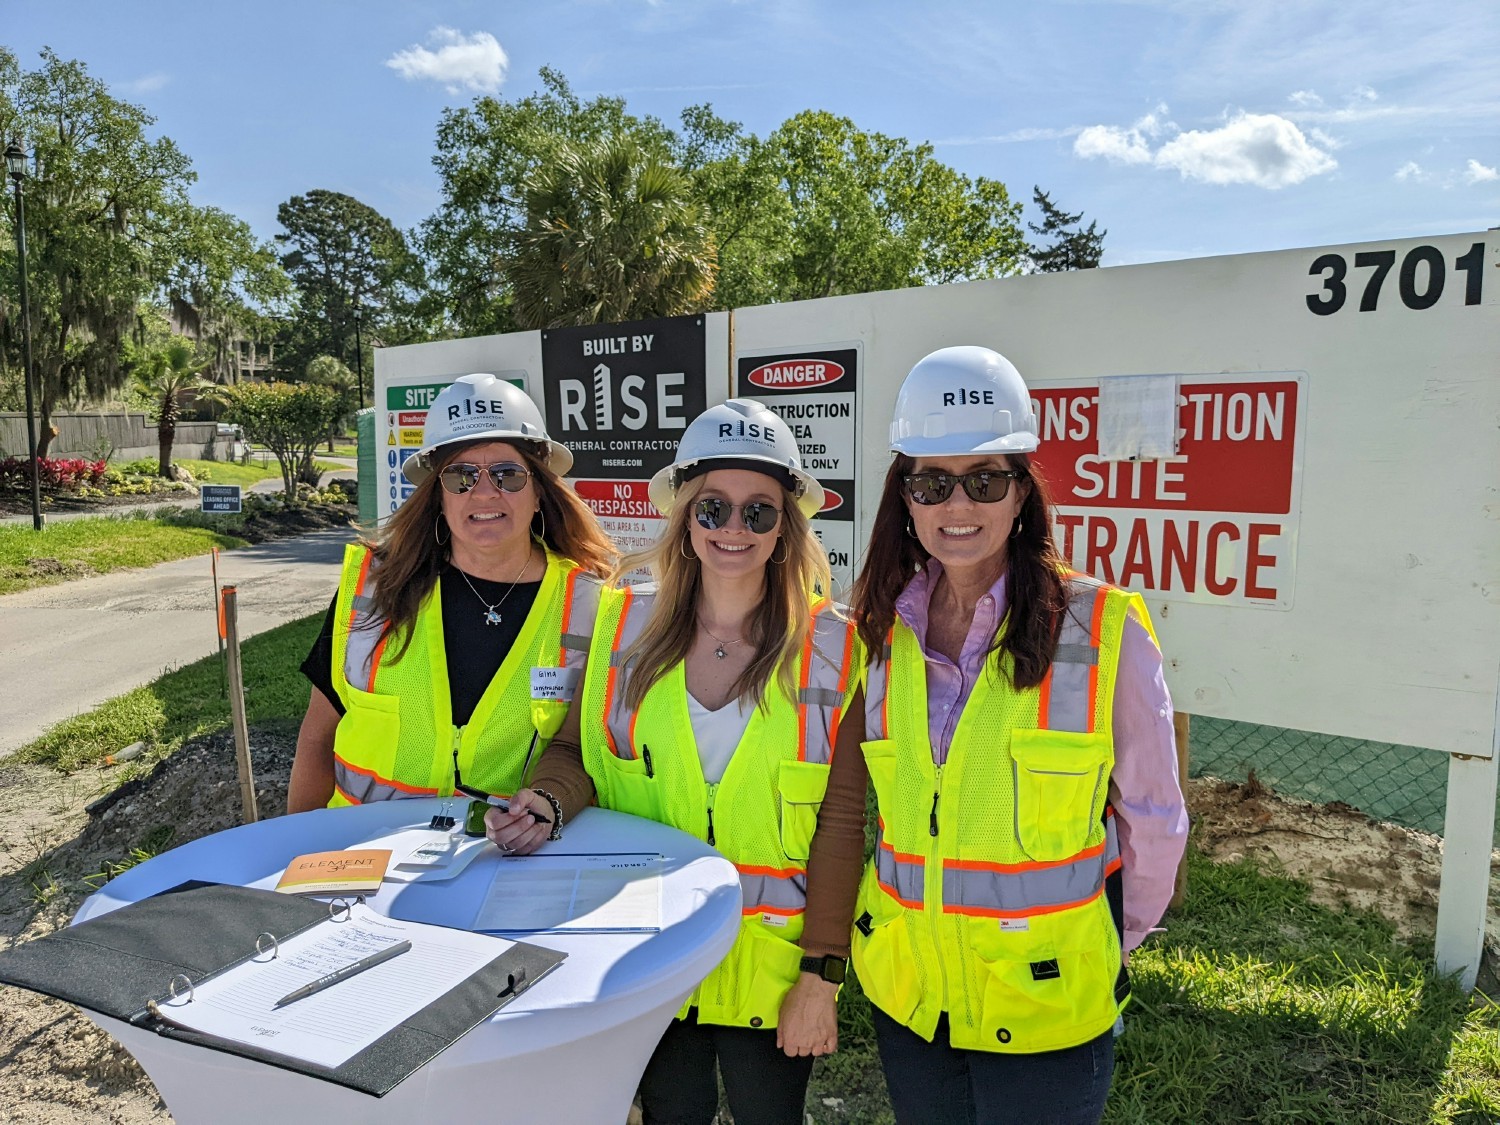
x=1405 y=785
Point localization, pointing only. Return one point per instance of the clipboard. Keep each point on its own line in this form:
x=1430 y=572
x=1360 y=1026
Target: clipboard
x=122 y=963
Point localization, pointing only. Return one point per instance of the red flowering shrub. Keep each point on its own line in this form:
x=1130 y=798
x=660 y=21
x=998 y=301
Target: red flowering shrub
x=58 y=474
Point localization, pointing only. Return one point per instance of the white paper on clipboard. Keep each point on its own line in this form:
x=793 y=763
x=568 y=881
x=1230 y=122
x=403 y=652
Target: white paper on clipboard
x=617 y=892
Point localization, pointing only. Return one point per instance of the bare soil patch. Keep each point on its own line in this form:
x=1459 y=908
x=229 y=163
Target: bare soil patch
x=56 y=1068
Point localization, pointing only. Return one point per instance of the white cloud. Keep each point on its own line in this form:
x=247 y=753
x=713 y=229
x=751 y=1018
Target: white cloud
x=1307 y=99
x=475 y=63
x=1411 y=170
x=146 y=84
x=1263 y=149
x=1477 y=173
x=1123 y=146
x=1363 y=94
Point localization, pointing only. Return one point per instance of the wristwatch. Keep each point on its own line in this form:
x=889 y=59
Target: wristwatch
x=830 y=968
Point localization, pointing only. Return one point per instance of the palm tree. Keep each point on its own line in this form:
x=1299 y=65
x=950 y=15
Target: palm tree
x=161 y=380
x=611 y=233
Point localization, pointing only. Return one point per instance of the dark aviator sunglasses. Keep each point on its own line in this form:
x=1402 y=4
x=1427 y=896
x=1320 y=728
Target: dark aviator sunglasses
x=713 y=513
x=983 y=486
x=461 y=476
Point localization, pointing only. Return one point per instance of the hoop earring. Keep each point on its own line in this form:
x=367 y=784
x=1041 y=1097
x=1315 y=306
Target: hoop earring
x=786 y=554
x=911 y=528
x=1015 y=532
x=683 y=547
x=437 y=522
x=541 y=536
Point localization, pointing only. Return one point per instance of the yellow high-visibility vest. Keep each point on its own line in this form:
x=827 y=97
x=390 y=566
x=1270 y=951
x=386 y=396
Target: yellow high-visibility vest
x=761 y=815
x=986 y=897
x=397 y=738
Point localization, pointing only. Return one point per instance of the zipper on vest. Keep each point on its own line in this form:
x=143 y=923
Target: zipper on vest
x=713 y=791
x=646 y=757
x=932 y=827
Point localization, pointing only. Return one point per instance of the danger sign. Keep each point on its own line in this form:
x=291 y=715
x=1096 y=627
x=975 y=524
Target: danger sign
x=1217 y=522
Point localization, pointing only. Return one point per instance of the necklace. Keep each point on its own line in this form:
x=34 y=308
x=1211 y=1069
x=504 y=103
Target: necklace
x=719 y=652
x=492 y=612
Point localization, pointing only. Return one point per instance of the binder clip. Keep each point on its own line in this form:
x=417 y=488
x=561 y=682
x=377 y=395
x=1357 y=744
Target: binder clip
x=441 y=823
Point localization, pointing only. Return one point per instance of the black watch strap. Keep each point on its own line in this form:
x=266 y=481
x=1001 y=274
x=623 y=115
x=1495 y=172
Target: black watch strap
x=829 y=968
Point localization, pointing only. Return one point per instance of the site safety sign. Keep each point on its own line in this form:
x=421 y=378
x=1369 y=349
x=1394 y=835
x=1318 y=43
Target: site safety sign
x=1217 y=521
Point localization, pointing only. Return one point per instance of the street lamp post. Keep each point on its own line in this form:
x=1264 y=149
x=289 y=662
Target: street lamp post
x=15 y=163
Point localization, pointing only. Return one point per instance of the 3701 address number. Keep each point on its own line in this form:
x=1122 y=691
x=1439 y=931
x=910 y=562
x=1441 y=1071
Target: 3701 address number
x=1420 y=281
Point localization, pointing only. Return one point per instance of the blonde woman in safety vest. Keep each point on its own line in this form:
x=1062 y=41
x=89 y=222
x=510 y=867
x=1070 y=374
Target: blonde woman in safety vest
x=1019 y=737
x=715 y=701
x=424 y=675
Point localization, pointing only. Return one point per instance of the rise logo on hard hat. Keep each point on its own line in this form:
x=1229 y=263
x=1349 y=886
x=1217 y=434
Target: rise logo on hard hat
x=739 y=433
x=480 y=407
x=963 y=400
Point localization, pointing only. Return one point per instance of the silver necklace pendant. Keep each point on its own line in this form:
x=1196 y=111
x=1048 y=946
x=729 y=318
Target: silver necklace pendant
x=720 y=653
x=492 y=617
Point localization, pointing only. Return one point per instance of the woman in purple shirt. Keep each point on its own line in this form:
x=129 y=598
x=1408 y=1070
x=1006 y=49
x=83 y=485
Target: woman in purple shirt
x=1019 y=737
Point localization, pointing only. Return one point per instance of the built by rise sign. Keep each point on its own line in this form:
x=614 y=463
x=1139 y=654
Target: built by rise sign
x=1216 y=522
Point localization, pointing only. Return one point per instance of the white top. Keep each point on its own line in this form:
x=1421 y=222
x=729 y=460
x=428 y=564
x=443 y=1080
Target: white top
x=717 y=733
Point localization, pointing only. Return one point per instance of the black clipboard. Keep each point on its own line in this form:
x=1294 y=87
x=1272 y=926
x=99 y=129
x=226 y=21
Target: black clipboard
x=120 y=962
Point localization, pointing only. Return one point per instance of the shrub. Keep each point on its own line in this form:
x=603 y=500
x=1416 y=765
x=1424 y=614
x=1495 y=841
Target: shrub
x=56 y=474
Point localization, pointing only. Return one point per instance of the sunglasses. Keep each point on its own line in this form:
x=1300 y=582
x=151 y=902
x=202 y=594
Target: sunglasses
x=713 y=514
x=984 y=486
x=461 y=476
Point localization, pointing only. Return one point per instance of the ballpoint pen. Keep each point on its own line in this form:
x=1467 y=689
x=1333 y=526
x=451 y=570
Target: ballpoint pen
x=349 y=970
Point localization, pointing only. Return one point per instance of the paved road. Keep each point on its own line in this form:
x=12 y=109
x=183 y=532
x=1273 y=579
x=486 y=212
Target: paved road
x=71 y=647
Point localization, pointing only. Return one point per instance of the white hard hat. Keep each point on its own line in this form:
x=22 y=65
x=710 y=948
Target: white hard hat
x=738 y=434
x=481 y=407
x=963 y=400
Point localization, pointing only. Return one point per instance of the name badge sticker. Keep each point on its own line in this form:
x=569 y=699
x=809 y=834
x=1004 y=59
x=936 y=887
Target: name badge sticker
x=558 y=684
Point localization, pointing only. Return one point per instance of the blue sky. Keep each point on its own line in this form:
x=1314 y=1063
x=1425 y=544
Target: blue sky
x=1184 y=127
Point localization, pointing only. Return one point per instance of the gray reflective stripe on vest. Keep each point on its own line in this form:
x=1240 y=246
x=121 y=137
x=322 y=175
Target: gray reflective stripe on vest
x=876 y=680
x=820 y=697
x=902 y=878
x=1018 y=893
x=774 y=892
x=361 y=788
x=581 y=610
x=1069 y=706
x=365 y=633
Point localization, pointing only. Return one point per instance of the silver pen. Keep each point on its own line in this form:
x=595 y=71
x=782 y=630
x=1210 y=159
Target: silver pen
x=349 y=970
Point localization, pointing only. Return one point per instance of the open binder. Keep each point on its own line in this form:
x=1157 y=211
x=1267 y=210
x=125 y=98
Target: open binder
x=124 y=964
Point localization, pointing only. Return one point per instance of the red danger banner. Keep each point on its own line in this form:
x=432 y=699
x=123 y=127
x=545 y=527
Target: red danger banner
x=1216 y=522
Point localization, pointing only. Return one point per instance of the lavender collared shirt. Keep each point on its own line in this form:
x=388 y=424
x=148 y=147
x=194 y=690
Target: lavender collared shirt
x=1150 y=815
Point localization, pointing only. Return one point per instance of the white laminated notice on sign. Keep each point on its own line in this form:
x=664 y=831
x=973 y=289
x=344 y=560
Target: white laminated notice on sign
x=555 y=683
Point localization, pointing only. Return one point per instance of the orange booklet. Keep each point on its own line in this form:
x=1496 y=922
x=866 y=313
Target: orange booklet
x=353 y=872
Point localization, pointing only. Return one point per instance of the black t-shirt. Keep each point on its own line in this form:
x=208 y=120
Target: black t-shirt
x=473 y=648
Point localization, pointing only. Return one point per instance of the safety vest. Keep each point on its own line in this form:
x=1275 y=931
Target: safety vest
x=763 y=812
x=396 y=737
x=986 y=895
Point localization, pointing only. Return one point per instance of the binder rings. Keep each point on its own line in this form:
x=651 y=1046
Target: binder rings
x=121 y=962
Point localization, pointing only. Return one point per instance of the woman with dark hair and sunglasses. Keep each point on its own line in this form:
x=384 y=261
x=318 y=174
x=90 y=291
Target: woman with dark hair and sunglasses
x=1019 y=737
x=424 y=674
x=715 y=701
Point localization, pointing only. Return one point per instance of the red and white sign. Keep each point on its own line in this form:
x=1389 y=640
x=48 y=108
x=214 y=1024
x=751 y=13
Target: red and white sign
x=796 y=374
x=624 y=510
x=1215 y=523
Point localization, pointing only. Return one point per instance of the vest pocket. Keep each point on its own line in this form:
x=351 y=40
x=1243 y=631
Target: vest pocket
x=800 y=786
x=1060 y=779
x=880 y=760
x=884 y=959
x=628 y=788
x=771 y=965
x=1042 y=990
x=365 y=741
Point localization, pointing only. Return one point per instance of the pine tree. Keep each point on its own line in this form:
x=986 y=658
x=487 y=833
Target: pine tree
x=1073 y=247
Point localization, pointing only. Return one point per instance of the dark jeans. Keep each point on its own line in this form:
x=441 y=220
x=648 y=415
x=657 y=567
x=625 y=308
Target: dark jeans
x=763 y=1085
x=937 y=1084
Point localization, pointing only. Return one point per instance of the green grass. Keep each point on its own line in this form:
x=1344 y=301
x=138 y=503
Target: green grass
x=186 y=703
x=231 y=472
x=71 y=549
x=1258 y=1006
